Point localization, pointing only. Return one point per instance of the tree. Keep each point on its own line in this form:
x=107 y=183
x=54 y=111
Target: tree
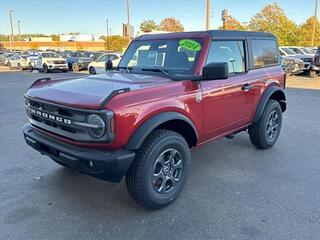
x=272 y=19
x=148 y=25
x=304 y=33
x=232 y=24
x=116 y=43
x=55 y=37
x=171 y=25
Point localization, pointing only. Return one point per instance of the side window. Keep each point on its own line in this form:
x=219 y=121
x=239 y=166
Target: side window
x=231 y=52
x=112 y=57
x=102 y=58
x=297 y=51
x=115 y=57
x=265 y=53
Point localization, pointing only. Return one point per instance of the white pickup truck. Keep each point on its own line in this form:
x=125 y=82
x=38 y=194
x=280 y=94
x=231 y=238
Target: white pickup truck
x=48 y=61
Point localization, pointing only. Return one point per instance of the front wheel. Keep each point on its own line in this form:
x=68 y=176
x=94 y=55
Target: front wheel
x=160 y=169
x=45 y=68
x=20 y=68
x=92 y=70
x=75 y=67
x=265 y=132
x=313 y=74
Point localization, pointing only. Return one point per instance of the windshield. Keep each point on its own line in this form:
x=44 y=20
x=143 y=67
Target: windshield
x=49 y=55
x=173 y=56
x=307 y=50
x=288 y=51
x=86 y=54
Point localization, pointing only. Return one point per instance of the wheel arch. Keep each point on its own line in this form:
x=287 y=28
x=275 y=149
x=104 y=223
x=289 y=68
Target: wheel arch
x=275 y=93
x=166 y=120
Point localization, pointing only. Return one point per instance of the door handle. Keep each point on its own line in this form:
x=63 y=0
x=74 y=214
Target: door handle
x=247 y=87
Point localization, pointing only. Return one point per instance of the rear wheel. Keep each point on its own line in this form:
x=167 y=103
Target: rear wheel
x=265 y=132
x=92 y=70
x=160 y=169
x=30 y=67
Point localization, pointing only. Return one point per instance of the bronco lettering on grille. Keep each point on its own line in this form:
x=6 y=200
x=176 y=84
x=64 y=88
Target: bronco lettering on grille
x=50 y=116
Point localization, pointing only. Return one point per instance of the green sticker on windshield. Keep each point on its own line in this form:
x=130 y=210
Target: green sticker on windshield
x=190 y=45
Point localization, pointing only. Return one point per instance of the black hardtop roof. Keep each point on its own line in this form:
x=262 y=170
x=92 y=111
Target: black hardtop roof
x=240 y=33
x=214 y=34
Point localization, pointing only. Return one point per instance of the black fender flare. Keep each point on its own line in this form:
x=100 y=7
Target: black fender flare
x=266 y=96
x=152 y=123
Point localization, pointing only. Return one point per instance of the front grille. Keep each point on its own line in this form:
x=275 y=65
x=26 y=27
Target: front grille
x=64 y=121
x=59 y=62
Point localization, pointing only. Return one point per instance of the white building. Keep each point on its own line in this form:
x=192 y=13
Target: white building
x=76 y=38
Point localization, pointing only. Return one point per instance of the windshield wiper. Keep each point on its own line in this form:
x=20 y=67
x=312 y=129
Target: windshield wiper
x=165 y=72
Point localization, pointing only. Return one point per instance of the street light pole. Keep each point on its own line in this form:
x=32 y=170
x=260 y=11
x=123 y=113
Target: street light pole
x=128 y=21
x=315 y=22
x=208 y=15
x=107 y=34
x=11 y=26
x=19 y=30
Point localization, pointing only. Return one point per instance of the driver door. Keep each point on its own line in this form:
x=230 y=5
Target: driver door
x=39 y=61
x=228 y=103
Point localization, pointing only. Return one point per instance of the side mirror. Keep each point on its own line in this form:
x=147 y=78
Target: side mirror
x=108 y=65
x=215 y=70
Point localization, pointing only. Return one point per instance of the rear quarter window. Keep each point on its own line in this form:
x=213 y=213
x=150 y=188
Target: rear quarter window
x=265 y=53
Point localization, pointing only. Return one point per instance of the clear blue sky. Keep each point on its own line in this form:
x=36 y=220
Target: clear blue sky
x=89 y=16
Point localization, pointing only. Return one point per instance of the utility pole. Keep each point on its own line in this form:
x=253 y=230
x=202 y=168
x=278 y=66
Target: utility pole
x=315 y=22
x=208 y=15
x=19 y=30
x=128 y=21
x=107 y=34
x=11 y=26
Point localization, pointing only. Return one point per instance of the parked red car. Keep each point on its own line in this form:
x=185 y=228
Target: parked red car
x=171 y=92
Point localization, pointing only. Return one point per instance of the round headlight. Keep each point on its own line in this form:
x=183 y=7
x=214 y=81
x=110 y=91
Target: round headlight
x=98 y=126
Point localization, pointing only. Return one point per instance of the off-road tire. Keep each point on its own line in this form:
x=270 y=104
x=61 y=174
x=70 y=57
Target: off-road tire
x=258 y=130
x=139 y=177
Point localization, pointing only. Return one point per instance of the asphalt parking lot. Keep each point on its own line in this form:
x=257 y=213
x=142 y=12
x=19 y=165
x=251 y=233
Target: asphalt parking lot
x=234 y=192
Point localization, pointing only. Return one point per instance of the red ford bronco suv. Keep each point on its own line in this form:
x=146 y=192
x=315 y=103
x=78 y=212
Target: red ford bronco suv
x=169 y=93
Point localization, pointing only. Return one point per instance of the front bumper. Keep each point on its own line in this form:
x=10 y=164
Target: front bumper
x=58 y=66
x=82 y=65
x=102 y=164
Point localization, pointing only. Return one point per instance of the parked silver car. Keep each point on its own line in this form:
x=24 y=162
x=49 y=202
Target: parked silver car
x=18 y=62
